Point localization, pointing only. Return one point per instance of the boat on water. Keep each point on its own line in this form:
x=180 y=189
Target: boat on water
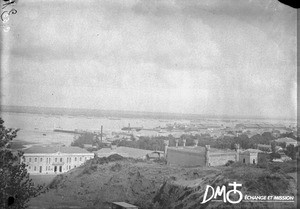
x=68 y=131
x=112 y=118
x=131 y=128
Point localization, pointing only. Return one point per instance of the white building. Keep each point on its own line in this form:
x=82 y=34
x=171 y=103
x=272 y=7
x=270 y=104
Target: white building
x=249 y=156
x=54 y=159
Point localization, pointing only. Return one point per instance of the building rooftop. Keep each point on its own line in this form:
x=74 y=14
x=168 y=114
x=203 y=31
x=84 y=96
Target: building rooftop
x=286 y=139
x=251 y=151
x=124 y=151
x=54 y=149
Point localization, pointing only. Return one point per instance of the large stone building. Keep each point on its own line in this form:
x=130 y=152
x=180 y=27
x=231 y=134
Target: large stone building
x=207 y=156
x=54 y=159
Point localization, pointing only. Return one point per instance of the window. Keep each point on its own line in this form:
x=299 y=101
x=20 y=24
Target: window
x=60 y=159
x=30 y=159
x=55 y=159
x=75 y=158
x=49 y=160
x=34 y=168
x=69 y=167
x=70 y=159
x=80 y=159
x=35 y=159
x=244 y=161
x=41 y=159
x=24 y=159
x=29 y=167
x=253 y=161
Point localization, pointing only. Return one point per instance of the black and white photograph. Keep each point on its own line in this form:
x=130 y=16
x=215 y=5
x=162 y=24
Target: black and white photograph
x=148 y=104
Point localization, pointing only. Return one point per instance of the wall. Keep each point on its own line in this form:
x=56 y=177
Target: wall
x=197 y=157
x=246 y=157
x=184 y=157
x=221 y=158
x=249 y=157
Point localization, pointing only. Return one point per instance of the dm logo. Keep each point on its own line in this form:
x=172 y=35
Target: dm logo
x=222 y=191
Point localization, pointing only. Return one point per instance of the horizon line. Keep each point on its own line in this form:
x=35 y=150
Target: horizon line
x=149 y=112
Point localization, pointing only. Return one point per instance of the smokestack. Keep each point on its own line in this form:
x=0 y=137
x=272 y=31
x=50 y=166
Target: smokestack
x=176 y=141
x=101 y=133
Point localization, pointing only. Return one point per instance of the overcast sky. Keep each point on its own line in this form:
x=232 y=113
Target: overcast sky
x=207 y=57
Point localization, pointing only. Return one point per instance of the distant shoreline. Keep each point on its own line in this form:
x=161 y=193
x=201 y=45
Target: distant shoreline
x=121 y=114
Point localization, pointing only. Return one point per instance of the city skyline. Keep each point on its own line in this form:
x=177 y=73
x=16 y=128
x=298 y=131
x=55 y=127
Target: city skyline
x=189 y=57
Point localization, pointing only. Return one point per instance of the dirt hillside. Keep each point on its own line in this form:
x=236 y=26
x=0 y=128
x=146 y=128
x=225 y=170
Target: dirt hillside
x=154 y=185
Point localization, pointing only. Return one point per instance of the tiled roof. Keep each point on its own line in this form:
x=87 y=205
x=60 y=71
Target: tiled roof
x=54 y=149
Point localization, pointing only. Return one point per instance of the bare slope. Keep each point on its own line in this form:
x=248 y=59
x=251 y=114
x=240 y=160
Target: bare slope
x=152 y=185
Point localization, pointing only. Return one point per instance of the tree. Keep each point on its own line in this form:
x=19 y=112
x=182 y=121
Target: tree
x=86 y=138
x=268 y=136
x=291 y=151
x=273 y=147
x=16 y=188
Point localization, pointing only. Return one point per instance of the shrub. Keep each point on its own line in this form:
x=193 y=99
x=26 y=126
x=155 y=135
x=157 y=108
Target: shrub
x=56 y=182
x=230 y=162
x=161 y=160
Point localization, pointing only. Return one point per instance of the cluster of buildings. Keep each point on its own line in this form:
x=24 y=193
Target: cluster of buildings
x=59 y=159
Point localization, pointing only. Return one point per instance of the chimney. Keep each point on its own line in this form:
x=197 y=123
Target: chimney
x=207 y=148
x=166 y=142
x=184 y=141
x=237 y=146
